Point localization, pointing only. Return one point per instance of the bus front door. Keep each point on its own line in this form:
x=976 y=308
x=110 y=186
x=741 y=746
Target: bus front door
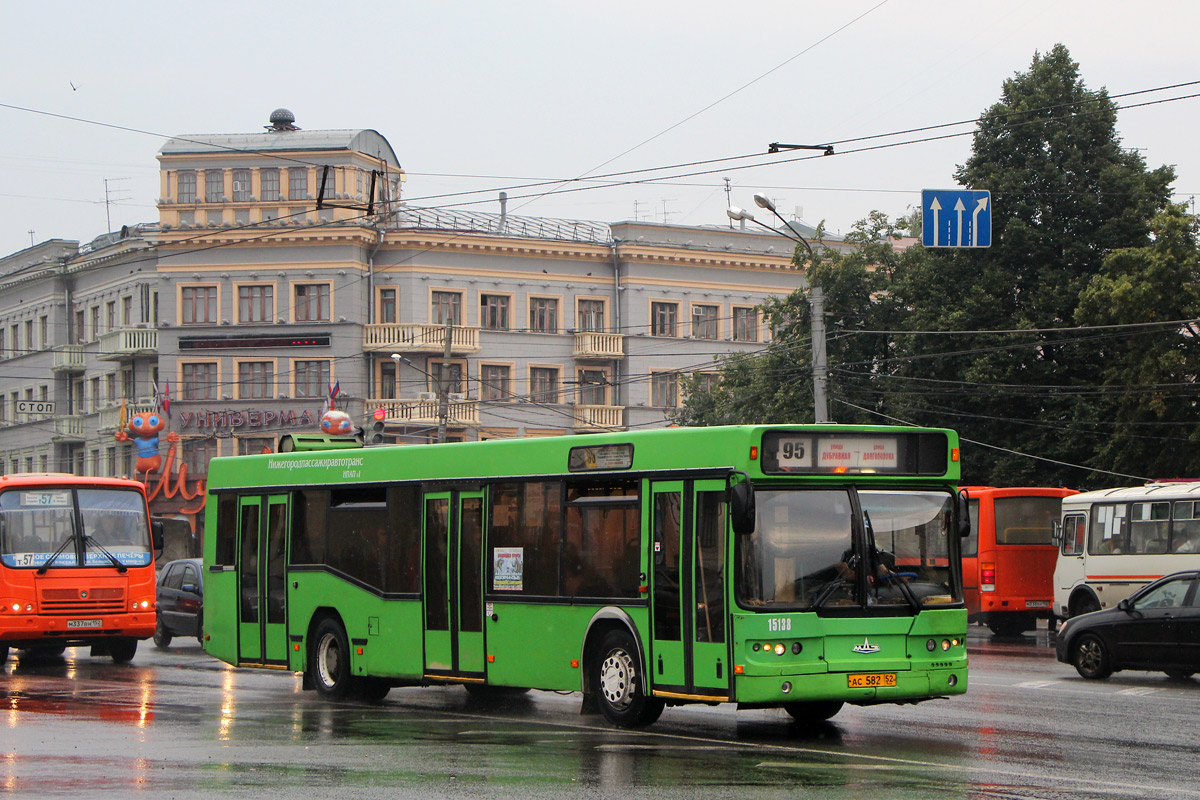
x=453 y=590
x=262 y=580
x=689 y=650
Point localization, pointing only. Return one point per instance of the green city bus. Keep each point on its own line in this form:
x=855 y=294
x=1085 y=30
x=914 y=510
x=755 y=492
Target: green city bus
x=783 y=566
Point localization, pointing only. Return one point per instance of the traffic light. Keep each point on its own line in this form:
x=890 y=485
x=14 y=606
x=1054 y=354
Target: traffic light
x=375 y=426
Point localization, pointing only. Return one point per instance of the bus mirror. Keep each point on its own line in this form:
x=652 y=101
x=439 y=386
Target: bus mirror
x=157 y=536
x=1056 y=533
x=741 y=506
x=964 y=514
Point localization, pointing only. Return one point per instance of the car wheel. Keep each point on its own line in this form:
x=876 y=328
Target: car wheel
x=813 y=711
x=162 y=636
x=1090 y=657
x=121 y=651
x=200 y=628
x=329 y=660
x=620 y=685
x=1179 y=674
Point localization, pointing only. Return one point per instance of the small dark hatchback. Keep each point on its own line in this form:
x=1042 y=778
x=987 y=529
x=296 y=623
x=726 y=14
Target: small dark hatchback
x=1157 y=628
x=179 y=602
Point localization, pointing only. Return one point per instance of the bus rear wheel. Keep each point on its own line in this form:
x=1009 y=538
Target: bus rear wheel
x=329 y=660
x=620 y=685
x=814 y=710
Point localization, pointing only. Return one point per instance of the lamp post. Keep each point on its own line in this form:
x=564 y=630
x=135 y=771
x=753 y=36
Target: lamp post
x=820 y=369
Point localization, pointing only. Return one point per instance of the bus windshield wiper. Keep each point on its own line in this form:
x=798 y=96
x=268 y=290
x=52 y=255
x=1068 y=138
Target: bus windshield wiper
x=61 y=548
x=116 y=561
x=824 y=595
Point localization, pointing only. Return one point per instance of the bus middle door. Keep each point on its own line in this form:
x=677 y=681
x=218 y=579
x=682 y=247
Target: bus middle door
x=689 y=653
x=262 y=580
x=453 y=587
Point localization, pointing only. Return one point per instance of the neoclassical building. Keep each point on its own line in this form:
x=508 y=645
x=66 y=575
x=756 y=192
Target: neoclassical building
x=286 y=262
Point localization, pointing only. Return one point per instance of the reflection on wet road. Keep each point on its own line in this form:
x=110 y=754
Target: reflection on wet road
x=177 y=723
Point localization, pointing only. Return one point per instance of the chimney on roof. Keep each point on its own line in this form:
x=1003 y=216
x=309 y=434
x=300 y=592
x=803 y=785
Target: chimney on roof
x=282 y=121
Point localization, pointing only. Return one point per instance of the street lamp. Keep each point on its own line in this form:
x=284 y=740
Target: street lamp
x=820 y=369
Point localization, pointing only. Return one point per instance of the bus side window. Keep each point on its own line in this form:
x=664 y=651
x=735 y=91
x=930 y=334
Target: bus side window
x=1074 y=532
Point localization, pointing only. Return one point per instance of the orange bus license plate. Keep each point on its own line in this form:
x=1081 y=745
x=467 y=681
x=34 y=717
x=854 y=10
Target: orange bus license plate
x=872 y=679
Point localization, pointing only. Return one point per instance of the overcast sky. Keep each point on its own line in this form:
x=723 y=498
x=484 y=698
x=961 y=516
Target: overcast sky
x=482 y=97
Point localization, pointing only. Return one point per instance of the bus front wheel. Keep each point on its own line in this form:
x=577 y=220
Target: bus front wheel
x=121 y=651
x=620 y=685
x=329 y=660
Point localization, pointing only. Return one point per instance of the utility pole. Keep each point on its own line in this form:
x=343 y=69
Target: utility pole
x=820 y=368
x=444 y=382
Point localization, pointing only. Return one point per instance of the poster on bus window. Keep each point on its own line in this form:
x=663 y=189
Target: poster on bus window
x=509 y=574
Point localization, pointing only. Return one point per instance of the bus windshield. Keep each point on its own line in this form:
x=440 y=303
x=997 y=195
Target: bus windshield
x=805 y=553
x=53 y=526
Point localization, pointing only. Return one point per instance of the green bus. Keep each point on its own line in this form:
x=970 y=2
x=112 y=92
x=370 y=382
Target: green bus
x=784 y=566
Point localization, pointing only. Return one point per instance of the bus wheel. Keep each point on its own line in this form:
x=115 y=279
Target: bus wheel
x=329 y=660
x=372 y=690
x=620 y=685
x=162 y=636
x=1085 y=605
x=3 y=654
x=1008 y=627
x=1179 y=674
x=1090 y=657
x=121 y=651
x=814 y=710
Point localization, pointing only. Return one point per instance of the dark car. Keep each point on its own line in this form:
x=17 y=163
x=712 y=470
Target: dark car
x=1156 y=628
x=179 y=601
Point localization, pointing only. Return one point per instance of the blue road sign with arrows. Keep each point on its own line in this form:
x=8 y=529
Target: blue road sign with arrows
x=956 y=218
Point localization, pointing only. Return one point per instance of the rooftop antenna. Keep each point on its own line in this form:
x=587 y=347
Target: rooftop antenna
x=109 y=200
x=728 y=199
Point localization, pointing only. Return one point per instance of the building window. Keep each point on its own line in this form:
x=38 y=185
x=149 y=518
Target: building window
x=591 y=315
x=493 y=312
x=543 y=314
x=256 y=380
x=199 y=380
x=14 y=333
x=110 y=458
x=297 y=183
x=127 y=310
x=95 y=325
x=543 y=384
x=329 y=176
x=448 y=374
x=745 y=324
x=214 y=185
x=80 y=332
x=256 y=303
x=311 y=378
x=663 y=318
x=255 y=445
x=241 y=185
x=198 y=305
x=496 y=382
x=593 y=387
x=387 y=305
x=706 y=382
x=447 y=308
x=269 y=183
x=110 y=315
x=387 y=380
x=664 y=389
x=197 y=453
x=312 y=302
x=185 y=189
x=704 y=322
x=30 y=344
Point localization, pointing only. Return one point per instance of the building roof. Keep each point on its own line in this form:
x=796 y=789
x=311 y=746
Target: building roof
x=364 y=141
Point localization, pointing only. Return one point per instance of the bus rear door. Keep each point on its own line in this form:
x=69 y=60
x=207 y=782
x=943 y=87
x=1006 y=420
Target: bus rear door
x=453 y=587
x=689 y=650
x=262 y=580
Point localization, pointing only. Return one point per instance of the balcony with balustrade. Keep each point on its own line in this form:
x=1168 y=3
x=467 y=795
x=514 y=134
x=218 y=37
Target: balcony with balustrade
x=70 y=428
x=109 y=420
x=424 y=411
x=593 y=419
x=596 y=345
x=123 y=344
x=68 y=358
x=419 y=337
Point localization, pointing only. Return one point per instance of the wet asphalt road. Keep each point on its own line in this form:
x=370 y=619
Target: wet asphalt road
x=177 y=723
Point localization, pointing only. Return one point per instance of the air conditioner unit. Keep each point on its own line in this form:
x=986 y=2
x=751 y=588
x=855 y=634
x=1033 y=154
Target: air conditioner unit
x=427 y=395
x=457 y=396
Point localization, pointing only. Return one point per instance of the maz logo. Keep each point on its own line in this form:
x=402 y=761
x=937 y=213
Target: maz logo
x=866 y=647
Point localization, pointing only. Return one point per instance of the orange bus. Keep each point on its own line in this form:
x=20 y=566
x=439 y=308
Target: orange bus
x=1008 y=560
x=76 y=565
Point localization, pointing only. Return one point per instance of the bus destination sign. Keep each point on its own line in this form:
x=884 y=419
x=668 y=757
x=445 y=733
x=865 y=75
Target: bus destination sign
x=819 y=453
